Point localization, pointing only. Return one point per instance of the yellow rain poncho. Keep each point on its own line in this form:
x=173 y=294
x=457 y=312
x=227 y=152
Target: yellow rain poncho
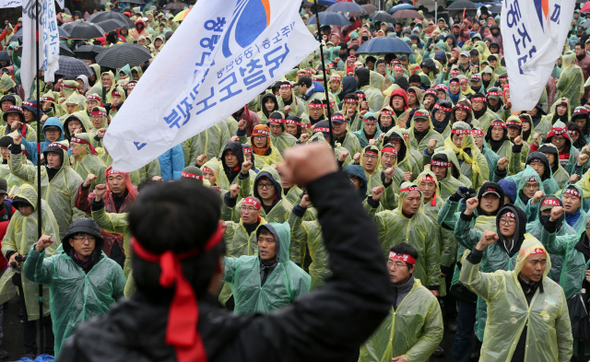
x=571 y=81
x=549 y=335
x=87 y=162
x=413 y=330
x=431 y=134
x=420 y=231
x=210 y=142
x=285 y=283
x=473 y=165
x=21 y=234
x=454 y=178
x=59 y=192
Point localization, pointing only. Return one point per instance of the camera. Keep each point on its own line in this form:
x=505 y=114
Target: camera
x=19 y=259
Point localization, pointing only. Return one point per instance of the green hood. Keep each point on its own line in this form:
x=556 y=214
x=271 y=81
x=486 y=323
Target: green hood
x=282 y=234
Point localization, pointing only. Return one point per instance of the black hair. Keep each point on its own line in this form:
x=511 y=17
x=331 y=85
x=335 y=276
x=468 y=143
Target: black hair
x=178 y=217
x=405 y=248
x=415 y=78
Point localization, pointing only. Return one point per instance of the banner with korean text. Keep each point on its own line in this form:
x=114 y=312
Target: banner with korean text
x=222 y=55
x=10 y=3
x=48 y=43
x=533 y=35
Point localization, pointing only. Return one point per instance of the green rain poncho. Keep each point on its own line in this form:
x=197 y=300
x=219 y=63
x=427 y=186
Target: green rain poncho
x=420 y=231
x=549 y=335
x=431 y=134
x=413 y=330
x=285 y=283
x=76 y=296
x=571 y=81
x=21 y=234
x=116 y=224
x=473 y=165
x=87 y=162
x=361 y=135
x=59 y=192
x=210 y=142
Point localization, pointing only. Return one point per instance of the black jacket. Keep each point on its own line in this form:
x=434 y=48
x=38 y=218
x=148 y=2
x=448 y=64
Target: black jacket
x=328 y=324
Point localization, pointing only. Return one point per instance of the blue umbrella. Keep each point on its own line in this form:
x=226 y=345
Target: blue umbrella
x=395 y=8
x=384 y=45
x=347 y=7
x=329 y=18
x=326 y=2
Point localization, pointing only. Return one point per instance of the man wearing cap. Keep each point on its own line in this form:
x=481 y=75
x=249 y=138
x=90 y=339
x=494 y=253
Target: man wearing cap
x=82 y=280
x=523 y=304
x=475 y=83
x=59 y=181
x=341 y=135
x=422 y=132
x=414 y=327
x=15 y=122
x=408 y=223
x=464 y=66
x=270 y=280
x=84 y=159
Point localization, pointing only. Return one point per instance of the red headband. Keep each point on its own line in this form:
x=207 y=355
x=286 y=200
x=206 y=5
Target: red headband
x=207 y=169
x=510 y=215
x=191 y=175
x=411 y=188
x=15 y=107
x=116 y=93
x=338 y=117
x=67 y=86
x=446 y=164
x=58 y=145
x=276 y=120
x=572 y=132
x=99 y=113
x=403 y=257
x=350 y=100
x=497 y=124
x=315 y=105
x=455 y=82
x=580 y=111
x=369 y=120
x=476 y=77
x=247 y=149
x=398 y=67
x=551 y=202
x=92 y=97
x=444 y=109
x=442 y=86
x=352 y=57
x=44 y=99
x=322 y=129
x=429 y=178
x=497 y=94
x=573 y=192
x=420 y=113
x=251 y=201
x=479 y=99
x=389 y=149
x=335 y=78
x=113 y=172
x=288 y=85
x=460 y=131
x=502 y=78
x=361 y=95
x=29 y=104
x=371 y=152
x=431 y=92
x=538 y=251
x=260 y=132
x=183 y=316
x=559 y=131
x=463 y=106
x=386 y=112
x=84 y=142
x=477 y=131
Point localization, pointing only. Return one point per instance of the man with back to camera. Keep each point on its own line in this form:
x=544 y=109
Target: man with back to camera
x=164 y=321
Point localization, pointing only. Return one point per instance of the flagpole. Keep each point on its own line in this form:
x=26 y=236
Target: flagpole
x=38 y=117
x=317 y=20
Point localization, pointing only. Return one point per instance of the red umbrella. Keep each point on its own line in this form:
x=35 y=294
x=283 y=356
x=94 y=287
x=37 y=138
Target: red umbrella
x=406 y=14
x=585 y=8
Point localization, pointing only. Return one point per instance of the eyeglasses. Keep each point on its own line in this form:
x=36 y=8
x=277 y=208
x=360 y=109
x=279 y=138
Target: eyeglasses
x=248 y=208
x=531 y=186
x=370 y=157
x=397 y=264
x=84 y=238
x=559 y=138
x=507 y=222
x=265 y=185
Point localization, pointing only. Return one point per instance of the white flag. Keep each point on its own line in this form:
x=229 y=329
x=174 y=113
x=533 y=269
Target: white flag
x=223 y=55
x=533 y=36
x=10 y=3
x=48 y=43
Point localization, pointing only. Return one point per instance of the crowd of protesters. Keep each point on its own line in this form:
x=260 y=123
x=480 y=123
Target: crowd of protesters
x=481 y=211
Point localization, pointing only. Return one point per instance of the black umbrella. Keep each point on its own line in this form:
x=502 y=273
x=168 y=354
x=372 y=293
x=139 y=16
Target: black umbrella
x=462 y=4
x=89 y=51
x=175 y=6
x=381 y=16
x=118 y=55
x=112 y=24
x=73 y=67
x=83 y=30
x=19 y=34
x=105 y=15
x=329 y=18
x=347 y=7
x=63 y=50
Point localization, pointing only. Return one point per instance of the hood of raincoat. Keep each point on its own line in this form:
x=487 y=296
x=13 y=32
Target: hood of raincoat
x=363 y=75
x=77 y=99
x=263 y=100
x=405 y=188
x=509 y=188
x=86 y=226
x=553 y=111
x=446 y=155
x=520 y=229
x=213 y=164
x=541 y=157
x=82 y=118
x=271 y=174
x=430 y=175
x=469 y=112
x=349 y=85
x=28 y=193
x=54 y=122
x=486 y=187
x=402 y=93
x=497 y=123
x=236 y=148
x=551 y=148
x=282 y=234
x=63 y=153
x=395 y=134
x=558 y=200
x=527 y=174
x=529 y=245
x=358 y=171
x=559 y=128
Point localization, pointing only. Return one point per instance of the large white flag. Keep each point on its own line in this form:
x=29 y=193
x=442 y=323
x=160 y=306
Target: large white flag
x=224 y=53
x=48 y=43
x=10 y=3
x=533 y=36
